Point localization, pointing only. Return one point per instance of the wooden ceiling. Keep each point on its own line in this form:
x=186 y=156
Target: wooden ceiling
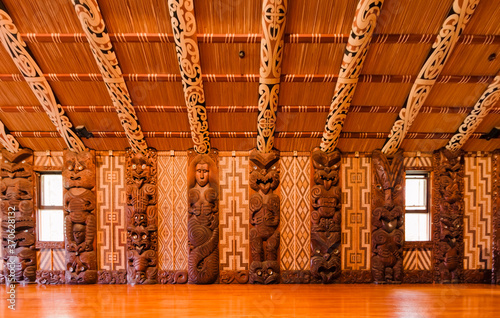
x=316 y=33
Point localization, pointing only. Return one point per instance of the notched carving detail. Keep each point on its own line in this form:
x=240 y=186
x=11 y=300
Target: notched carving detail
x=112 y=277
x=49 y=277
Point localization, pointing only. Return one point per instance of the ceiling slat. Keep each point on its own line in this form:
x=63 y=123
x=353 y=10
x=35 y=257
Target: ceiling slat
x=188 y=54
x=271 y=57
x=460 y=13
x=92 y=22
x=33 y=75
x=483 y=106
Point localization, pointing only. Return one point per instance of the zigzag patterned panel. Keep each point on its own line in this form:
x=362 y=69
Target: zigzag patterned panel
x=111 y=232
x=356 y=213
x=172 y=214
x=417 y=259
x=477 y=214
x=52 y=159
x=44 y=259
x=295 y=219
x=58 y=262
x=417 y=162
x=233 y=213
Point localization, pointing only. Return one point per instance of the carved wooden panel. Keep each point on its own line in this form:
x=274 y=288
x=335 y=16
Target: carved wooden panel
x=264 y=217
x=495 y=246
x=172 y=277
x=112 y=277
x=203 y=217
x=326 y=216
x=79 y=182
x=18 y=222
x=142 y=217
x=448 y=216
x=50 y=277
x=387 y=217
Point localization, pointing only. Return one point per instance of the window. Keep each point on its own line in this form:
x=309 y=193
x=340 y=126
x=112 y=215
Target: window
x=417 y=216
x=50 y=219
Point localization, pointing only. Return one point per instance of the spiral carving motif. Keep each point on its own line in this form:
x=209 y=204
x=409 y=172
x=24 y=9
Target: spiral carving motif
x=7 y=140
x=355 y=52
x=447 y=37
x=93 y=25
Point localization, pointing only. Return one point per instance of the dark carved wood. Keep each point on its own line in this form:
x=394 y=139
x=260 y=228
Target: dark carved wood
x=387 y=217
x=496 y=217
x=356 y=277
x=234 y=277
x=203 y=217
x=79 y=203
x=18 y=221
x=49 y=277
x=326 y=216
x=448 y=216
x=172 y=277
x=296 y=277
x=420 y=245
x=112 y=277
x=264 y=217
x=418 y=277
x=50 y=245
x=142 y=217
x=477 y=276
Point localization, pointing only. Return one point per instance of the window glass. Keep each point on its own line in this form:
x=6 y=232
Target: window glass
x=51 y=225
x=51 y=190
x=417 y=217
x=417 y=227
x=50 y=219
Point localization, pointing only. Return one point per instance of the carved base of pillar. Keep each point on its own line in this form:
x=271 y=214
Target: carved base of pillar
x=234 y=277
x=172 y=277
x=267 y=272
x=87 y=277
x=356 y=277
x=417 y=277
x=296 y=277
x=112 y=277
x=49 y=277
x=477 y=276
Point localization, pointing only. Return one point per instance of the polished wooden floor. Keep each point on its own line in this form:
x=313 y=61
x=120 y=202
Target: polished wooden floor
x=406 y=301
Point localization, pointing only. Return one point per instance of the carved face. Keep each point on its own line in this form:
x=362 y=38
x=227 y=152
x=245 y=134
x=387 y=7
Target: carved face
x=140 y=169
x=27 y=263
x=16 y=190
x=140 y=239
x=202 y=174
x=79 y=200
x=79 y=233
x=264 y=181
x=79 y=170
x=18 y=165
x=266 y=272
x=449 y=189
x=389 y=178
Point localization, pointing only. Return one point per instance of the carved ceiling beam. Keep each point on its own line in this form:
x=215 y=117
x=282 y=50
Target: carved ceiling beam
x=271 y=57
x=256 y=38
x=93 y=25
x=183 y=20
x=246 y=109
x=355 y=52
x=484 y=105
x=25 y=62
x=7 y=140
x=460 y=13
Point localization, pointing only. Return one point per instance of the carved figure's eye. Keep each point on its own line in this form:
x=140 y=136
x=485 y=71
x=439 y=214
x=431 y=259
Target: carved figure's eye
x=398 y=187
x=134 y=236
x=80 y=168
x=134 y=167
x=378 y=186
x=144 y=166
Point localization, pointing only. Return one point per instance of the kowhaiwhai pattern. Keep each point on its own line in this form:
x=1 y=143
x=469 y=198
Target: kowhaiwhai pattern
x=7 y=140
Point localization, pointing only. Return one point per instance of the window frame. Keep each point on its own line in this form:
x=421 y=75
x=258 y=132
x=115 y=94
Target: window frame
x=39 y=207
x=428 y=210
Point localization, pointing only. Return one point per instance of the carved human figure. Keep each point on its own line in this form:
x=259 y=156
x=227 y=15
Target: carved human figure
x=142 y=219
x=18 y=224
x=265 y=218
x=203 y=221
x=387 y=217
x=326 y=217
x=79 y=203
x=449 y=176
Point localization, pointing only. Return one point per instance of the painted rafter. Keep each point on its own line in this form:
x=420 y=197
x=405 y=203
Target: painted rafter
x=7 y=140
x=460 y=13
x=183 y=21
x=25 y=62
x=355 y=52
x=92 y=22
x=483 y=106
x=271 y=57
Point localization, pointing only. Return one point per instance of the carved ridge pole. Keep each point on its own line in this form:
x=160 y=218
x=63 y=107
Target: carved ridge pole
x=496 y=217
x=355 y=52
x=7 y=140
x=18 y=216
x=264 y=207
x=97 y=35
x=142 y=217
x=188 y=55
x=488 y=99
x=79 y=182
x=326 y=216
x=460 y=13
x=448 y=216
x=25 y=62
x=387 y=217
x=203 y=217
x=271 y=56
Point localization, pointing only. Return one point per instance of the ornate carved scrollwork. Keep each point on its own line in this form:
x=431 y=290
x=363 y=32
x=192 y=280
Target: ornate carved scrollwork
x=387 y=217
x=18 y=222
x=356 y=277
x=48 y=277
x=142 y=217
x=496 y=218
x=296 y=277
x=418 y=277
x=448 y=217
x=172 y=277
x=326 y=216
x=203 y=218
x=264 y=217
x=234 y=277
x=112 y=277
x=79 y=203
